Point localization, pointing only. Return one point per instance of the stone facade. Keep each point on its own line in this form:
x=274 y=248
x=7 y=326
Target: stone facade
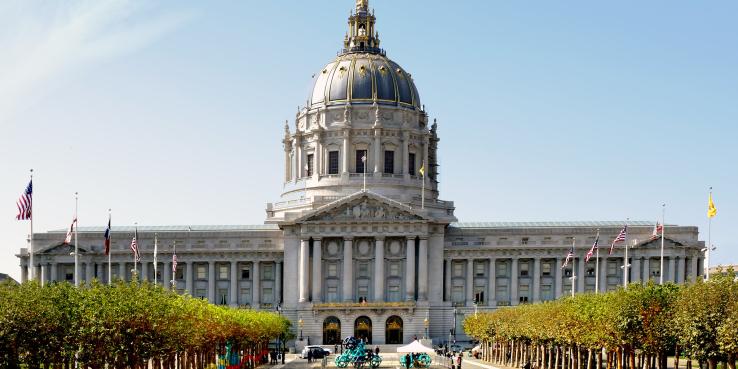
x=360 y=242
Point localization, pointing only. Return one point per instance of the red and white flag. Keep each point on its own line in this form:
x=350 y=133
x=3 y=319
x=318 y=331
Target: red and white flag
x=591 y=251
x=620 y=238
x=70 y=232
x=658 y=228
x=134 y=246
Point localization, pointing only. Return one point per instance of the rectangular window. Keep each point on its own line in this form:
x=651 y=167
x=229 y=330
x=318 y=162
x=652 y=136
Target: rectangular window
x=245 y=295
x=200 y=293
x=222 y=271
x=309 y=166
x=394 y=269
x=202 y=272
x=363 y=269
x=333 y=162
x=458 y=269
x=524 y=293
x=546 y=292
x=332 y=270
x=393 y=292
x=612 y=267
x=360 y=164
x=389 y=161
x=524 y=241
x=245 y=273
x=268 y=272
x=479 y=268
x=331 y=293
x=222 y=298
x=267 y=295
x=479 y=294
x=457 y=293
x=501 y=269
x=501 y=290
x=411 y=163
x=546 y=268
x=524 y=269
x=180 y=275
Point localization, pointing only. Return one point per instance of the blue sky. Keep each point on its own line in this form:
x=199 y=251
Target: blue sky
x=172 y=112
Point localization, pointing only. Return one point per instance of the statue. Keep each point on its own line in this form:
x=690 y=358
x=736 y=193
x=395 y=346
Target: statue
x=362 y=5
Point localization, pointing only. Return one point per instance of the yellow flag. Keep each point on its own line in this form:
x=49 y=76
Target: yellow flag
x=422 y=169
x=711 y=209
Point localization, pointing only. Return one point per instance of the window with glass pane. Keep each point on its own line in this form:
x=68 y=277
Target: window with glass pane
x=331 y=292
x=200 y=293
x=458 y=269
x=362 y=292
x=222 y=297
x=245 y=295
x=389 y=161
x=546 y=292
x=267 y=294
x=479 y=294
x=457 y=293
x=202 y=272
x=363 y=269
x=268 y=272
x=501 y=269
x=333 y=162
x=546 y=268
x=479 y=268
x=332 y=270
x=245 y=273
x=360 y=163
x=501 y=290
x=393 y=291
x=222 y=271
x=411 y=163
x=612 y=268
x=524 y=293
x=524 y=267
x=309 y=170
x=590 y=271
x=394 y=269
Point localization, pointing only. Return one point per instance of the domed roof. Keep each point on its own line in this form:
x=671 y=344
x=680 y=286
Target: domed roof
x=363 y=78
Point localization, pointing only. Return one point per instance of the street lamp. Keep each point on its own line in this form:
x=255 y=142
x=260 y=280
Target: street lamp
x=279 y=338
x=301 y=324
x=426 y=323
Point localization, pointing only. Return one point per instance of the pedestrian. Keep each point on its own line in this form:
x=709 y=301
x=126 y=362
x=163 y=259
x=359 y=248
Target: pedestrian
x=415 y=337
x=376 y=350
x=335 y=349
x=458 y=361
x=407 y=361
x=310 y=356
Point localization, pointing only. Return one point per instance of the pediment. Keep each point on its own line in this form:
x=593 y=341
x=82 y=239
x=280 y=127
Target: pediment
x=363 y=207
x=60 y=249
x=656 y=242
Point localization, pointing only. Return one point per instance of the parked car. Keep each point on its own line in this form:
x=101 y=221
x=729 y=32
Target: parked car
x=318 y=352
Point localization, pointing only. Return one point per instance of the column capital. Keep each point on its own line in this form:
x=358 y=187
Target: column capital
x=317 y=239
x=379 y=238
x=348 y=238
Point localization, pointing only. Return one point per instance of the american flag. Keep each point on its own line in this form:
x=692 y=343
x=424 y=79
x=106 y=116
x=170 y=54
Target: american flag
x=591 y=251
x=134 y=246
x=569 y=256
x=24 y=203
x=620 y=238
x=107 y=237
x=658 y=228
x=70 y=232
x=174 y=266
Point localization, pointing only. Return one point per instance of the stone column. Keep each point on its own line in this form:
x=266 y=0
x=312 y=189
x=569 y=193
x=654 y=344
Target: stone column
x=410 y=270
x=580 y=274
x=300 y=172
x=680 y=270
x=694 y=262
x=558 y=278
x=423 y=269
x=89 y=272
x=379 y=269
x=255 y=286
x=287 y=162
x=514 y=300
x=348 y=270
x=166 y=275
x=448 y=279
x=303 y=271
x=211 y=281
x=189 y=274
x=492 y=283
x=406 y=156
x=278 y=282
x=122 y=271
x=234 y=283
x=469 y=282
x=377 y=151
x=536 y=279
x=317 y=271
x=318 y=158
x=672 y=268
x=646 y=276
x=345 y=154
x=635 y=270
x=54 y=272
x=603 y=274
x=144 y=272
x=24 y=273
x=44 y=274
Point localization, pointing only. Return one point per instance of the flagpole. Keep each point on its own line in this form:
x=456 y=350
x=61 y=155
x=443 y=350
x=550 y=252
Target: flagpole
x=422 y=192
x=30 y=246
x=76 y=247
x=597 y=264
x=573 y=266
x=135 y=264
x=110 y=241
x=663 y=230
x=174 y=270
x=709 y=244
x=156 y=246
x=626 y=264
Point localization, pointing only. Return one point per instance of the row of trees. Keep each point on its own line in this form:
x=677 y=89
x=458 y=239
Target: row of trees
x=637 y=327
x=126 y=325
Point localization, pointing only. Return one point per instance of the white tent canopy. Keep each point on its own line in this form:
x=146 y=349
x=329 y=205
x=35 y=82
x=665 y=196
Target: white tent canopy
x=416 y=346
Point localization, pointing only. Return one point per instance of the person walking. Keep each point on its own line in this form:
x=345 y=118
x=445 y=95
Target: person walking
x=458 y=361
x=376 y=350
x=310 y=356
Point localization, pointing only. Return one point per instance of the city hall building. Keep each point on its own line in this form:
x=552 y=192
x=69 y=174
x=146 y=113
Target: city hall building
x=360 y=242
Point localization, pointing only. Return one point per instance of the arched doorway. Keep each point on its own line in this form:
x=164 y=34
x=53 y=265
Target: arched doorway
x=363 y=329
x=331 y=331
x=393 y=330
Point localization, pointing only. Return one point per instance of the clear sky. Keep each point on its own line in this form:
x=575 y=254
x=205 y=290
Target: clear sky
x=171 y=113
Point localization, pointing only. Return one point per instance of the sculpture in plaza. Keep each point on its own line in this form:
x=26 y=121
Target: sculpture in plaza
x=357 y=355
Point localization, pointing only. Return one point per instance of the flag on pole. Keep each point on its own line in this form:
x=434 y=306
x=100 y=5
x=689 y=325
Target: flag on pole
x=620 y=238
x=24 y=203
x=156 y=246
x=591 y=251
x=658 y=228
x=569 y=256
x=422 y=169
x=107 y=237
x=174 y=266
x=711 y=209
x=134 y=246
x=70 y=232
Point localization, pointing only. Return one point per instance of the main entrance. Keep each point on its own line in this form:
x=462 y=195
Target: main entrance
x=363 y=329
x=393 y=330
x=331 y=331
